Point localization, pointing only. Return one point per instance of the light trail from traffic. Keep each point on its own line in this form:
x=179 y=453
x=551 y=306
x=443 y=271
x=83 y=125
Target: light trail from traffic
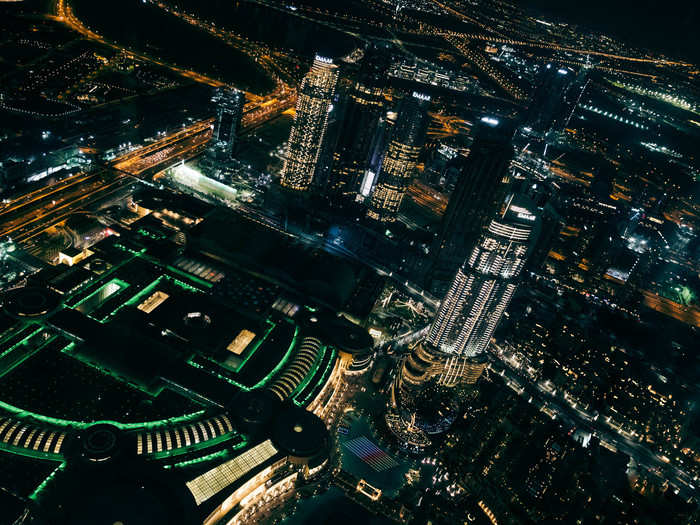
x=502 y=39
x=30 y=215
x=64 y=13
x=257 y=110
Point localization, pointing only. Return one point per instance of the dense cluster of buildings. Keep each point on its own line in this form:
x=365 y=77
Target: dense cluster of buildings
x=457 y=290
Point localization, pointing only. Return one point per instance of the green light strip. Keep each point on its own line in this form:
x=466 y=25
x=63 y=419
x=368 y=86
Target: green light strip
x=189 y=276
x=312 y=372
x=13 y=329
x=101 y=277
x=218 y=375
x=32 y=334
x=29 y=354
x=145 y=233
x=68 y=424
x=322 y=380
x=69 y=348
x=122 y=285
x=34 y=496
x=257 y=345
x=137 y=298
x=22 y=414
x=282 y=362
x=214 y=455
x=129 y=250
x=196 y=461
x=154 y=425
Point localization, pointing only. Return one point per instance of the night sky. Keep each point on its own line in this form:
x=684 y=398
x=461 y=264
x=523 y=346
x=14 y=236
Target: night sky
x=669 y=26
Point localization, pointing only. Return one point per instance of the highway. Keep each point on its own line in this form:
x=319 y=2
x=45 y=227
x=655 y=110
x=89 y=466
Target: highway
x=442 y=126
x=28 y=215
x=689 y=315
x=181 y=145
x=44 y=211
x=487 y=67
x=257 y=52
x=259 y=109
x=428 y=198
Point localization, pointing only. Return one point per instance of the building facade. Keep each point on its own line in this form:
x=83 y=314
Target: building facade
x=483 y=184
x=364 y=105
x=475 y=302
x=310 y=124
x=229 y=105
x=400 y=159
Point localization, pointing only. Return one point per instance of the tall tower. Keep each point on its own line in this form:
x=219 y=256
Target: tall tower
x=555 y=95
x=229 y=112
x=474 y=304
x=482 y=186
x=363 y=108
x=401 y=158
x=310 y=123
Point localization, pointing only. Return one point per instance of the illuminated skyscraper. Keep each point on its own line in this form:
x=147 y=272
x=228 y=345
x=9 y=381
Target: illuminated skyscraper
x=310 y=123
x=555 y=96
x=401 y=157
x=473 y=306
x=364 y=105
x=229 y=111
x=482 y=186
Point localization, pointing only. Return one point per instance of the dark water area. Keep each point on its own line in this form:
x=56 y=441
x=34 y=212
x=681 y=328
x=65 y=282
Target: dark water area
x=333 y=508
x=147 y=29
x=278 y=28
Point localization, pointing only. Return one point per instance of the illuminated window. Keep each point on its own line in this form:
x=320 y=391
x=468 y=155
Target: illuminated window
x=241 y=342
x=153 y=302
x=215 y=480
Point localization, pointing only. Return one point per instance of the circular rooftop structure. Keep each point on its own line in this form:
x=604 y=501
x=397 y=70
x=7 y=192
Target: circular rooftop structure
x=300 y=433
x=97 y=443
x=31 y=302
x=254 y=409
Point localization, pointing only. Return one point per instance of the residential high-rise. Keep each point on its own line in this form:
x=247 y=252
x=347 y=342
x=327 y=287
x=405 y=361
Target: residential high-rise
x=472 y=308
x=483 y=184
x=364 y=104
x=400 y=159
x=229 y=112
x=310 y=123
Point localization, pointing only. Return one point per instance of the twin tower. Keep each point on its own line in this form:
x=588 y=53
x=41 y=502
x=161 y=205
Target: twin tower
x=351 y=176
x=486 y=232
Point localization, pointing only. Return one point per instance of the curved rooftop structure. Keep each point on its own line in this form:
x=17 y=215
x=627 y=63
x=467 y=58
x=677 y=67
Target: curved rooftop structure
x=134 y=377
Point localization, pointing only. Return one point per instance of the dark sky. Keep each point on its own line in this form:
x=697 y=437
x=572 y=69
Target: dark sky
x=670 y=26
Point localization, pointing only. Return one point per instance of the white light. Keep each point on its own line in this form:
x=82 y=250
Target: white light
x=563 y=72
x=324 y=59
x=421 y=96
x=367 y=183
x=490 y=121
